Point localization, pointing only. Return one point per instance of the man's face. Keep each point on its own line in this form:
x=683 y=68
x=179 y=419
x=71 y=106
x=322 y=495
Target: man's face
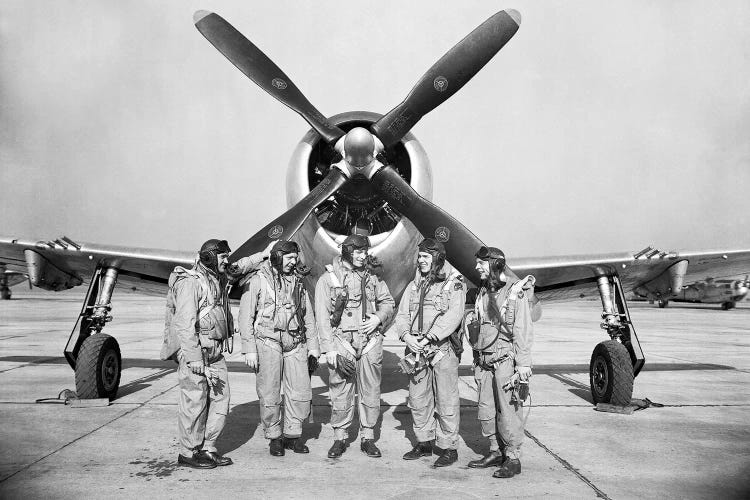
x=424 y=262
x=288 y=262
x=483 y=268
x=359 y=257
x=222 y=262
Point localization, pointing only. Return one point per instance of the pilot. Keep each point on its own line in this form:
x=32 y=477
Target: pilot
x=277 y=326
x=429 y=322
x=501 y=334
x=353 y=306
x=198 y=325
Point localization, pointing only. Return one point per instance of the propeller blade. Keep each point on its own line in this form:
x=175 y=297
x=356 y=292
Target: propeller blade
x=431 y=220
x=259 y=68
x=289 y=222
x=448 y=75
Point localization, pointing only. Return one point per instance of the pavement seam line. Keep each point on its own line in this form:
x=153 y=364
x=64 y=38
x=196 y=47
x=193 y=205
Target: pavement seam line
x=139 y=405
x=568 y=466
x=40 y=361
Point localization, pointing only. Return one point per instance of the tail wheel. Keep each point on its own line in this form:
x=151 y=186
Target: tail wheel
x=611 y=374
x=98 y=367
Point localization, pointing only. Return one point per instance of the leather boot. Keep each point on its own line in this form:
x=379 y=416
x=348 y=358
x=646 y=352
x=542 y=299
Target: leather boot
x=422 y=449
x=447 y=458
x=296 y=445
x=510 y=468
x=196 y=461
x=338 y=448
x=276 y=447
x=493 y=459
x=368 y=446
x=215 y=457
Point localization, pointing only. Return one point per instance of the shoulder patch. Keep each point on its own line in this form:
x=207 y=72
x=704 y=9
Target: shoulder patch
x=458 y=286
x=521 y=294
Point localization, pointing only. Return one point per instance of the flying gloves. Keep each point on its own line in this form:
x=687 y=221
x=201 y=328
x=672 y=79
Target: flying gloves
x=312 y=364
x=345 y=366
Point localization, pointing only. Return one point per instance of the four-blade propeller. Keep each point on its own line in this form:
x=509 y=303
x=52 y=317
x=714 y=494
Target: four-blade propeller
x=440 y=82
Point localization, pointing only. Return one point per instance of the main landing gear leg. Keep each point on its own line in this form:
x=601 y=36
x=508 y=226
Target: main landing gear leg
x=95 y=356
x=615 y=362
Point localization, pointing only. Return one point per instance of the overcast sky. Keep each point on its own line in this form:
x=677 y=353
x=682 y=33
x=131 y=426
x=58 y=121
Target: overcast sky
x=597 y=128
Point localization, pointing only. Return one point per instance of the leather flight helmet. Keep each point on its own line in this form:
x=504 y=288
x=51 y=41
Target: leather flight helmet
x=210 y=250
x=352 y=242
x=279 y=249
x=437 y=250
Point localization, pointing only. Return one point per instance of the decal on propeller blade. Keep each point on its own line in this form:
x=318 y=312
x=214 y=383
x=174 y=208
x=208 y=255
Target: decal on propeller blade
x=278 y=83
x=440 y=83
x=276 y=231
x=442 y=234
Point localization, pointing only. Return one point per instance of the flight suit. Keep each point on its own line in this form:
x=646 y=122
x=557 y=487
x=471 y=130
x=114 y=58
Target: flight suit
x=201 y=320
x=269 y=322
x=433 y=387
x=366 y=351
x=506 y=313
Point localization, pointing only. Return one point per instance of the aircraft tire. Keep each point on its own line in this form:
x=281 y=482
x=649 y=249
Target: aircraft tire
x=663 y=304
x=611 y=374
x=98 y=367
x=5 y=293
x=727 y=305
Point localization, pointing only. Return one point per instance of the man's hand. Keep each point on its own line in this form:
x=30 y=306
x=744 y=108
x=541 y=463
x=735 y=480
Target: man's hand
x=524 y=372
x=412 y=343
x=331 y=359
x=196 y=367
x=251 y=360
x=266 y=253
x=370 y=325
x=314 y=352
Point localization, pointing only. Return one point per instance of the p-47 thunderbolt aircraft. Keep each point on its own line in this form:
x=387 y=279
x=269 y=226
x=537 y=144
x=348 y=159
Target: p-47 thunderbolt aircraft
x=365 y=170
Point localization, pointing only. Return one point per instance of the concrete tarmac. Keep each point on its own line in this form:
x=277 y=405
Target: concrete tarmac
x=697 y=446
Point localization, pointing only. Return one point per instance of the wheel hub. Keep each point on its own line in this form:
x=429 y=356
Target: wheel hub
x=110 y=369
x=601 y=375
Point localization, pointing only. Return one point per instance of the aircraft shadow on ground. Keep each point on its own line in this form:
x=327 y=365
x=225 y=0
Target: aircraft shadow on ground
x=393 y=380
x=237 y=366
x=144 y=382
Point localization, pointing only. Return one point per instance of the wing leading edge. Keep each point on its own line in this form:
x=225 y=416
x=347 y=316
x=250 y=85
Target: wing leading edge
x=63 y=263
x=574 y=276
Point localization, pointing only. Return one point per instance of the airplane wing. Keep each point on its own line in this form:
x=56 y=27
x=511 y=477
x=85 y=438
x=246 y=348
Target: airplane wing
x=575 y=276
x=63 y=263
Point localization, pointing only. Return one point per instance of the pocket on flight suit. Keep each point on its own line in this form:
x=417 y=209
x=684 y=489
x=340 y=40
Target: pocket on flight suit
x=301 y=389
x=207 y=329
x=422 y=399
x=485 y=395
x=374 y=374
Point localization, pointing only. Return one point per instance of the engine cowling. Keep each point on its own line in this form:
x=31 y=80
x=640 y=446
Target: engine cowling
x=393 y=238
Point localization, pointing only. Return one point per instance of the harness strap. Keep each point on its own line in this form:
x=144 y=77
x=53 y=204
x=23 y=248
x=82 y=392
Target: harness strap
x=264 y=293
x=334 y=279
x=446 y=288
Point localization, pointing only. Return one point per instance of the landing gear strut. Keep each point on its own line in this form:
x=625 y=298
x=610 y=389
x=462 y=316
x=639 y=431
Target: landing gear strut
x=615 y=362
x=93 y=355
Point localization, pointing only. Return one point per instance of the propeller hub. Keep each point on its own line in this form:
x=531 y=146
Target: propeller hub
x=359 y=148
